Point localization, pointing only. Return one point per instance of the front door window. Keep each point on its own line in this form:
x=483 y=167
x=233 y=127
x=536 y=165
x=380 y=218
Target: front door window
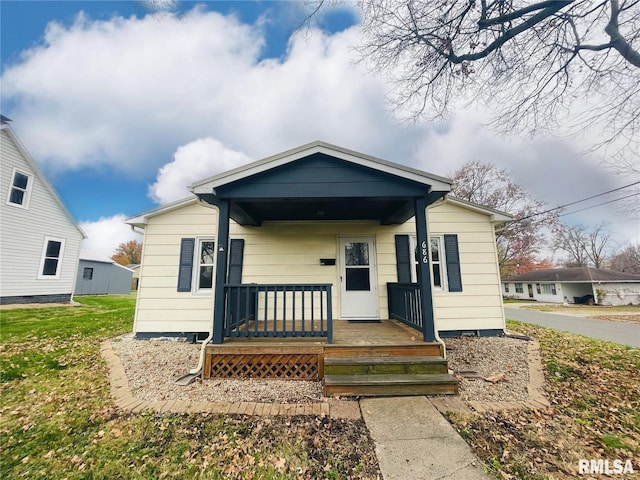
x=357 y=267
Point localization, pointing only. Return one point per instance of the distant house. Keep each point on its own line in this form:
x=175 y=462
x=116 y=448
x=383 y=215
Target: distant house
x=574 y=285
x=40 y=240
x=99 y=275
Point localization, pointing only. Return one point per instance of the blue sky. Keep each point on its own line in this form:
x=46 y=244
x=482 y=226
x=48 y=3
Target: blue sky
x=123 y=109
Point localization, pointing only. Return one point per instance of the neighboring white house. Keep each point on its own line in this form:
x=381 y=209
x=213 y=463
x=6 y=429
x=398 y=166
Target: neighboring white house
x=39 y=239
x=100 y=275
x=574 y=285
x=362 y=231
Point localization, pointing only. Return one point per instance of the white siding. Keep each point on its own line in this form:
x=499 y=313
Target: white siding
x=23 y=231
x=290 y=252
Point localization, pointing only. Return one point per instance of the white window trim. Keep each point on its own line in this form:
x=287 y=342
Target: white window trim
x=27 y=193
x=413 y=241
x=43 y=258
x=195 y=280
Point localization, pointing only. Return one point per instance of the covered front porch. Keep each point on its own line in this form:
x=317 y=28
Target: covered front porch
x=319 y=185
x=294 y=311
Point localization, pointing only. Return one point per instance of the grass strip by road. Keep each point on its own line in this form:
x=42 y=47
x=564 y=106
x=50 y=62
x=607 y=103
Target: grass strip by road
x=57 y=419
x=594 y=391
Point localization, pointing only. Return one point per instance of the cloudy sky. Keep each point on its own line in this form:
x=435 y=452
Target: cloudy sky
x=123 y=109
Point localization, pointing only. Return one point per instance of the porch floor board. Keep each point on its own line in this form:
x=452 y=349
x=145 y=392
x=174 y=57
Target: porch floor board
x=387 y=332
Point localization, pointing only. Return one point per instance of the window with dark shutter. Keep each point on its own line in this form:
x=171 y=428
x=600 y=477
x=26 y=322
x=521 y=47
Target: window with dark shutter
x=403 y=259
x=185 y=270
x=453 y=263
x=236 y=253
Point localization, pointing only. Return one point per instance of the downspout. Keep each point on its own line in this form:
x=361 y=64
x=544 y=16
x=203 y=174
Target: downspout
x=198 y=369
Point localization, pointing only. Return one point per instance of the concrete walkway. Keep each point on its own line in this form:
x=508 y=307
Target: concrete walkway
x=414 y=441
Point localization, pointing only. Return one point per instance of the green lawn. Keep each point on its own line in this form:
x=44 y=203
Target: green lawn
x=57 y=419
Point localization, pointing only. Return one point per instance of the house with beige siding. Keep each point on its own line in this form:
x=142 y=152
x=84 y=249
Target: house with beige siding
x=40 y=240
x=324 y=247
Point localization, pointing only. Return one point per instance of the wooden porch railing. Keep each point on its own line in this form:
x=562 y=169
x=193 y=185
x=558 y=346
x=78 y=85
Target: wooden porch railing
x=405 y=304
x=278 y=310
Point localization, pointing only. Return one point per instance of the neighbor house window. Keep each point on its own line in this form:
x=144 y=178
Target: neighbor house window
x=204 y=272
x=506 y=288
x=87 y=273
x=519 y=288
x=548 y=288
x=20 y=189
x=51 y=262
x=538 y=288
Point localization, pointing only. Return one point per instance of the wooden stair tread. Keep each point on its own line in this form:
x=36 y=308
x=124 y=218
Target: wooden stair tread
x=353 y=351
x=425 y=379
x=375 y=360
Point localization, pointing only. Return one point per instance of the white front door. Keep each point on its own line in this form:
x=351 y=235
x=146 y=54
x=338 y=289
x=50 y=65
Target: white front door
x=358 y=282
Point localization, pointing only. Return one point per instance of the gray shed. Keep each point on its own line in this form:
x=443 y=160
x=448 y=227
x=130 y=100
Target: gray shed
x=99 y=275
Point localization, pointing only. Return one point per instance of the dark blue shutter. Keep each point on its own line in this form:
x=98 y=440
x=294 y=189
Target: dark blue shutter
x=403 y=259
x=236 y=252
x=453 y=263
x=185 y=270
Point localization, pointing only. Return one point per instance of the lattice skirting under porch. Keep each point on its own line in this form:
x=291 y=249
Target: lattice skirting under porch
x=291 y=366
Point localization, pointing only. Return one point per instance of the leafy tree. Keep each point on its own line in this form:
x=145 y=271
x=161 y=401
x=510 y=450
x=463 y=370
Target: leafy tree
x=128 y=253
x=584 y=246
x=627 y=260
x=518 y=241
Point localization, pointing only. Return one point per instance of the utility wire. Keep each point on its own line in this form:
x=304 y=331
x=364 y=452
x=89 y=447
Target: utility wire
x=600 y=204
x=580 y=201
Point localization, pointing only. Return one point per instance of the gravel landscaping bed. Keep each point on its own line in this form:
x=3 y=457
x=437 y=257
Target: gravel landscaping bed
x=490 y=356
x=152 y=366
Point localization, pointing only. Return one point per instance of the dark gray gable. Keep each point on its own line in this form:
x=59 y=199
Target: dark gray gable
x=322 y=176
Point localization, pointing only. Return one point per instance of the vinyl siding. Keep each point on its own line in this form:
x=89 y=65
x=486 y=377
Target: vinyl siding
x=479 y=305
x=23 y=231
x=160 y=307
x=290 y=252
x=108 y=279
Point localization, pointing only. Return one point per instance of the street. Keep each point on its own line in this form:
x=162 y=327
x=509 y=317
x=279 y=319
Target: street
x=618 y=332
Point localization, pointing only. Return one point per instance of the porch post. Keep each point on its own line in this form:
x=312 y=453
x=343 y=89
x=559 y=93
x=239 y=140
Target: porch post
x=222 y=243
x=424 y=270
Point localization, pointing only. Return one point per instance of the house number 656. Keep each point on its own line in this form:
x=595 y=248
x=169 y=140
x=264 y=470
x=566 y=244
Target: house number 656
x=425 y=254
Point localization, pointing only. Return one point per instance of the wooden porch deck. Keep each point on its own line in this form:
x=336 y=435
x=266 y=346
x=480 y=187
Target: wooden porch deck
x=345 y=332
x=365 y=358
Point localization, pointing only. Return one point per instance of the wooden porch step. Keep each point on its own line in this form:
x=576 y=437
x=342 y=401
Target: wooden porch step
x=403 y=365
x=420 y=350
x=390 y=385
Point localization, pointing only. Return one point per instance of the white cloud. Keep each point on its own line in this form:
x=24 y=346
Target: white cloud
x=125 y=92
x=104 y=235
x=193 y=161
